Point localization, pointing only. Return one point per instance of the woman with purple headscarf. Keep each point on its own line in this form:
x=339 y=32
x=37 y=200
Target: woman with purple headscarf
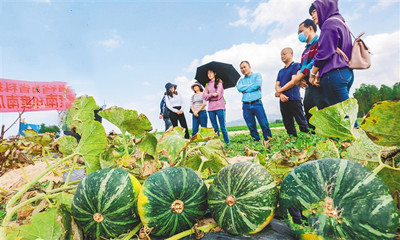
x=330 y=70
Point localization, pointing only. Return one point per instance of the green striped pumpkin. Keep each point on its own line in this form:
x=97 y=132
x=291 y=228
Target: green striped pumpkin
x=242 y=198
x=341 y=199
x=172 y=200
x=105 y=203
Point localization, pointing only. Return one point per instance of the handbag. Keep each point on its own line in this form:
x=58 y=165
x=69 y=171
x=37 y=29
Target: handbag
x=360 y=53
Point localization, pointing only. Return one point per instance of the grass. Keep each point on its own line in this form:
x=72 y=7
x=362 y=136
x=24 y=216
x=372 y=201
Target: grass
x=280 y=140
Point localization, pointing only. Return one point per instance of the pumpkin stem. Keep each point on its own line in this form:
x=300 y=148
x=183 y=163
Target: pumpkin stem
x=230 y=200
x=97 y=217
x=177 y=206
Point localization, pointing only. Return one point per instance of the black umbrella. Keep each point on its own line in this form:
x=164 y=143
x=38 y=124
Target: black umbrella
x=226 y=72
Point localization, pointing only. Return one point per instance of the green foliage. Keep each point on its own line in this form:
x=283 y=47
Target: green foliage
x=148 y=144
x=127 y=120
x=380 y=123
x=363 y=150
x=67 y=144
x=54 y=223
x=43 y=139
x=92 y=144
x=368 y=95
x=51 y=128
x=172 y=143
x=336 y=121
x=81 y=111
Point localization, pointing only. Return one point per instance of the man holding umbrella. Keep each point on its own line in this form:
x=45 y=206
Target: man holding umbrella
x=250 y=87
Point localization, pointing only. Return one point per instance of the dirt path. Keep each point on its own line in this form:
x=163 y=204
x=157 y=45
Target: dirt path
x=14 y=179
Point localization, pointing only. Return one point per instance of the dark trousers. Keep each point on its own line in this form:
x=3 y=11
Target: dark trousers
x=293 y=109
x=182 y=121
x=312 y=97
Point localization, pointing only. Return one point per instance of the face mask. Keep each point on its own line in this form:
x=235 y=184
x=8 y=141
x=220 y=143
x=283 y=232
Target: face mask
x=302 y=37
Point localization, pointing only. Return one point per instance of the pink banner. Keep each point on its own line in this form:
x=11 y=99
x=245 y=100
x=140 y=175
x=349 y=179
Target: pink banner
x=18 y=96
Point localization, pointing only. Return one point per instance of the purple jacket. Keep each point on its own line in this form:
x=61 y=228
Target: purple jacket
x=214 y=103
x=333 y=34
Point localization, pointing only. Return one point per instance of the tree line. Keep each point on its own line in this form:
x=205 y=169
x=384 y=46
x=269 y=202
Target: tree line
x=368 y=95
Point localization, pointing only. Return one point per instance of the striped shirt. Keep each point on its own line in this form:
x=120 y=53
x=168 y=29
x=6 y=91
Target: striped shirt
x=307 y=58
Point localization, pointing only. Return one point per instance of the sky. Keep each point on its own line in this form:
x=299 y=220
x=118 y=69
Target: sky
x=124 y=52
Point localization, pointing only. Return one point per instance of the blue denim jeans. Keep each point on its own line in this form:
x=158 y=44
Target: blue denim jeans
x=250 y=113
x=336 y=85
x=200 y=120
x=168 y=123
x=221 y=119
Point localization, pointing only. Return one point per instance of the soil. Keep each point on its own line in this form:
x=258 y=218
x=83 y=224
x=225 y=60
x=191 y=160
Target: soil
x=14 y=179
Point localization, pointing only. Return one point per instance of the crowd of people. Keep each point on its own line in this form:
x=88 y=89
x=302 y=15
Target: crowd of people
x=322 y=71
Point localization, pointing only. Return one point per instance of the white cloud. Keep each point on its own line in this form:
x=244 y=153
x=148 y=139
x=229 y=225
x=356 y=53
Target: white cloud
x=385 y=3
x=193 y=66
x=126 y=66
x=111 y=43
x=44 y=1
x=275 y=13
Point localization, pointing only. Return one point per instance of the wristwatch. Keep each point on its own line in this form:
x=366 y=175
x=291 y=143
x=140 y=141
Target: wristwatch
x=313 y=74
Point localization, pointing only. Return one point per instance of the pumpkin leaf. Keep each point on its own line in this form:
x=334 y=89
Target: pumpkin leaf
x=67 y=144
x=327 y=149
x=214 y=155
x=43 y=139
x=5 y=145
x=193 y=161
x=82 y=110
x=92 y=144
x=336 y=121
x=54 y=223
x=204 y=135
x=127 y=120
x=148 y=144
x=149 y=167
x=214 y=146
x=203 y=166
x=364 y=151
x=380 y=123
x=172 y=143
x=391 y=176
x=139 y=126
x=279 y=167
x=215 y=163
x=65 y=199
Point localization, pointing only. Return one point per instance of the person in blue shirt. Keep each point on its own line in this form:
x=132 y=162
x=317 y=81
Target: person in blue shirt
x=290 y=100
x=164 y=113
x=250 y=87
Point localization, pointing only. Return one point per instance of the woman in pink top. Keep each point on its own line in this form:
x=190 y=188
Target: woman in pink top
x=214 y=94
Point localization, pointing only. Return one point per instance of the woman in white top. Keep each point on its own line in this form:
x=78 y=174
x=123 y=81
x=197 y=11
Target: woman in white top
x=174 y=103
x=197 y=105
